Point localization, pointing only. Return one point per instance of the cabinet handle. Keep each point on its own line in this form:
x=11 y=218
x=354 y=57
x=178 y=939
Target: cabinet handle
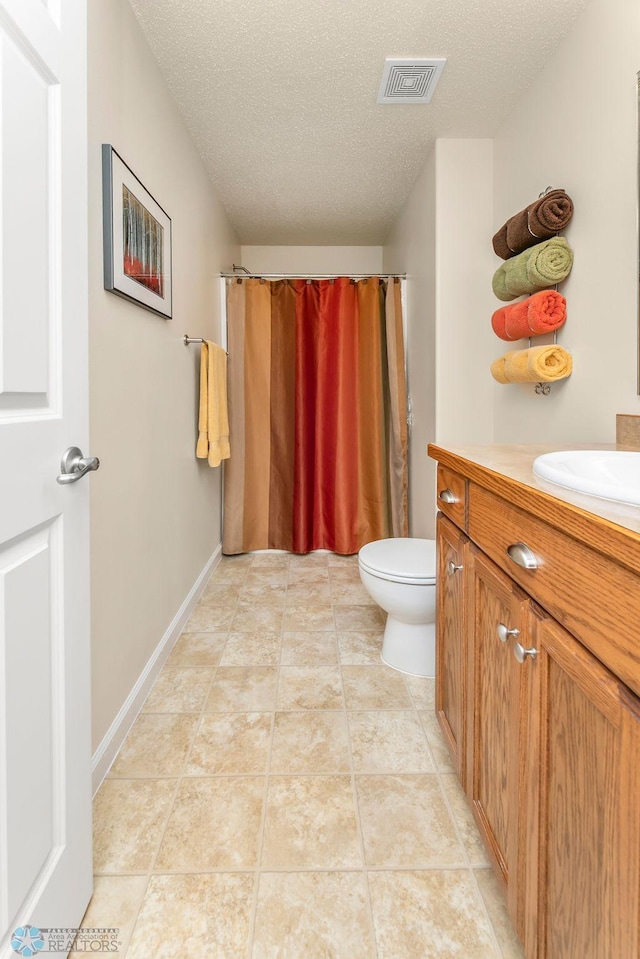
x=504 y=632
x=446 y=495
x=522 y=555
x=453 y=567
x=521 y=653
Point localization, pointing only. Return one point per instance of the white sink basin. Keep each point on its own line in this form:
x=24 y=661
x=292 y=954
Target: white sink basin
x=609 y=474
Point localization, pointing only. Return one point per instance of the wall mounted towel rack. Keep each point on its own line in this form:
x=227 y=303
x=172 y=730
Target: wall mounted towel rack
x=543 y=389
x=505 y=250
x=186 y=339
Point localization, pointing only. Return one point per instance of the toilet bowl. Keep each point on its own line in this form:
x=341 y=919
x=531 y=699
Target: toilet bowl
x=400 y=576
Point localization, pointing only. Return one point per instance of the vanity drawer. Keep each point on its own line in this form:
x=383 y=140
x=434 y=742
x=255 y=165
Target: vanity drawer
x=591 y=595
x=452 y=495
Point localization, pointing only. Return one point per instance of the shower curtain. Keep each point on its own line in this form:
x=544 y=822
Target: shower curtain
x=317 y=415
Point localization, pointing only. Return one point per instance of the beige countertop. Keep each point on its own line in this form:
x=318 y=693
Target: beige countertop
x=507 y=470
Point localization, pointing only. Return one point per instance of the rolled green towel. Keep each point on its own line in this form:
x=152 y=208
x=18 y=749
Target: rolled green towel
x=535 y=269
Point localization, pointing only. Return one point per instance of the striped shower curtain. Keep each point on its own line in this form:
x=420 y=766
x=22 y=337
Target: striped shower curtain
x=317 y=415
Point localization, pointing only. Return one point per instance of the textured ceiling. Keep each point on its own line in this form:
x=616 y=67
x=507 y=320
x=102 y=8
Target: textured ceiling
x=280 y=98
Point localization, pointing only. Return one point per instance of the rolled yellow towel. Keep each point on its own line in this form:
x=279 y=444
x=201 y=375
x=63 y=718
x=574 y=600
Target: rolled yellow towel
x=539 y=364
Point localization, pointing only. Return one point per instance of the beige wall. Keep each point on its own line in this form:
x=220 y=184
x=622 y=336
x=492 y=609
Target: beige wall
x=440 y=238
x=410 y=247
x=312 y=259
x=576 y=128
x=155 y=510
x=464 y=299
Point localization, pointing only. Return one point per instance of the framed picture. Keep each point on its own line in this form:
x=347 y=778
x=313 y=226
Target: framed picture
x=137 y=238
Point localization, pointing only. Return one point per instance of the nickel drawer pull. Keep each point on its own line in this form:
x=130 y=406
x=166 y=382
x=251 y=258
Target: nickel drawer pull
x=521 y=653
x=453 y=567
x=447 y=496
x=522 y=555
x=504 y=633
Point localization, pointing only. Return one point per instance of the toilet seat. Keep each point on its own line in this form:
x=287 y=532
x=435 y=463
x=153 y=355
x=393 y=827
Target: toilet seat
x=401 y=560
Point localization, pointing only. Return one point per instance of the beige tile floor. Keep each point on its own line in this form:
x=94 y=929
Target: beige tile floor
x=284 y=795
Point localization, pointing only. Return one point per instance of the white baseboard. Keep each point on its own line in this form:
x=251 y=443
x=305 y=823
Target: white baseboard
x=117 y=732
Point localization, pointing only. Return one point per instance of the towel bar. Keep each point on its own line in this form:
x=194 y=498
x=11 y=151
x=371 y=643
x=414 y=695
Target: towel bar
x=186 y=339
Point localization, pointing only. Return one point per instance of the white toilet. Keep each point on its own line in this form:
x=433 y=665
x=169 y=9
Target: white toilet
x=400 y=576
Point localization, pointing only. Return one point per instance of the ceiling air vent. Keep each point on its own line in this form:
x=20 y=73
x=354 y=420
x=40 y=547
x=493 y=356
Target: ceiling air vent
x=409 y=80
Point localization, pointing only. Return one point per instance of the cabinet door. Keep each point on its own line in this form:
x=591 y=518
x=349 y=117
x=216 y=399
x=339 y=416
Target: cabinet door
x=498 y=723
x=451 y=639
x=589 y=804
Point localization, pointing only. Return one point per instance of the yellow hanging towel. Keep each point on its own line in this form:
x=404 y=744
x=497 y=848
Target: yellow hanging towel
x=213 y=420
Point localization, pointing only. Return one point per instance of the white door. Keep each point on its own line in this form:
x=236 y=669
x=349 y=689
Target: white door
x=45 y=804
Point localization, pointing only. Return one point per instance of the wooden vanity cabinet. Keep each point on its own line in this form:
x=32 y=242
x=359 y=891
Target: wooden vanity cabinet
x=451 y=492
x=583 y=831
x=498 y=722
x=546 y=743
x=452 y=577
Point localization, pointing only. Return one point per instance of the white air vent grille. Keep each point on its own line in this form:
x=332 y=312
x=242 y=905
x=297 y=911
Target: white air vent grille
x=409 y=80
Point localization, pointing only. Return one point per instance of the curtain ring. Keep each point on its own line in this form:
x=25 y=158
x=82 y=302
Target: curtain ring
x=239 y=281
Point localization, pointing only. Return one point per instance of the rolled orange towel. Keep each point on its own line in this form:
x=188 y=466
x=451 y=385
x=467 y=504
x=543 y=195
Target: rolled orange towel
x=543 y=312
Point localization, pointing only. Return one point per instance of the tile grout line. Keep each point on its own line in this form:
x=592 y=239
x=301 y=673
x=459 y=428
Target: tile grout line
x=151 y=869
x=354 y=789
x=148 y=873
x=127 y=940
x=467 y=856
x=244 y=870
x=408 y=867
x=364 y=870
x=492 y=929
x=265 y=799
x=440 y=773
x=255 y=870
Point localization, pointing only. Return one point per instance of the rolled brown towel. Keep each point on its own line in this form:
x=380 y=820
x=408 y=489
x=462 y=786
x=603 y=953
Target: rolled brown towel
x=539 y=221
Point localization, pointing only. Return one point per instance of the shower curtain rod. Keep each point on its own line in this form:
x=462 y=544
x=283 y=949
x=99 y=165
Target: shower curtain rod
x=313 y=276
